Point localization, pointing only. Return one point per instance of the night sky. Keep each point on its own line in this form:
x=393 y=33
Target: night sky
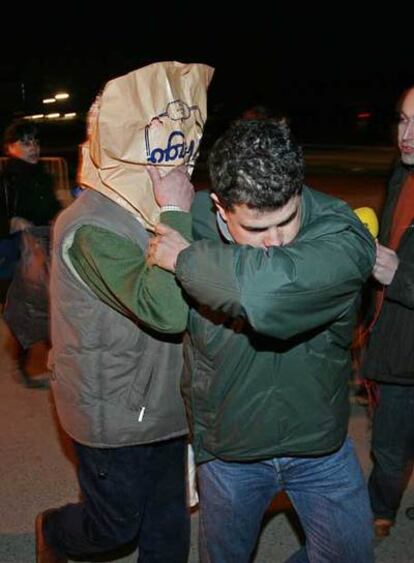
x=299 y=60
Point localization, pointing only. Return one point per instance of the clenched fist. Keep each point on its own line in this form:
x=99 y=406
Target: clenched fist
x=386 y=264
x=165 y=247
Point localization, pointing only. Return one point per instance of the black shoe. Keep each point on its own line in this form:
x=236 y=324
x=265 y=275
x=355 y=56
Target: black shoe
x=37 y=383
x=27 y=380
x=44 y=552
x=33 y=382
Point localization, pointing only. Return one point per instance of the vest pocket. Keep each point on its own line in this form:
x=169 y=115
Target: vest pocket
x=139 y=393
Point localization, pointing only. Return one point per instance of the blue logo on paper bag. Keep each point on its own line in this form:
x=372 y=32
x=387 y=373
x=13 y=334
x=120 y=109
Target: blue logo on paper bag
x=177 y=146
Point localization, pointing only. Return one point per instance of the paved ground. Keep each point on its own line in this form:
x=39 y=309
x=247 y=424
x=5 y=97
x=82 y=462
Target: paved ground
x=38 y=472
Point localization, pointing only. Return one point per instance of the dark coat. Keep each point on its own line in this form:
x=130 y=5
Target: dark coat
x=26 y=190
x=390 y=352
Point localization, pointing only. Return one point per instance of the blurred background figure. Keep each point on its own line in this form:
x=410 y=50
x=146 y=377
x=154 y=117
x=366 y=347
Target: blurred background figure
x=27 y=206
x=390 y=355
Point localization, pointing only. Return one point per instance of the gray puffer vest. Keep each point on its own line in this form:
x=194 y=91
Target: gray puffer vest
x=115 y=383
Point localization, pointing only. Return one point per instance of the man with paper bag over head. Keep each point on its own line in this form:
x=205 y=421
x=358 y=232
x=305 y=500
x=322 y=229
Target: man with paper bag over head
x=116 y=323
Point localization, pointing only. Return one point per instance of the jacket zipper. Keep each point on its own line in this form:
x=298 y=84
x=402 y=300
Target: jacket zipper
x=143 y=407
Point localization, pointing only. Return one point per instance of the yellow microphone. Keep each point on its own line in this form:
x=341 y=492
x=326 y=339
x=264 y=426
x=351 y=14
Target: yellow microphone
x=368 y=217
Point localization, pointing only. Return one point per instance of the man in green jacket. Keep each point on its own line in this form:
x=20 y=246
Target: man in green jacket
x=277 y=274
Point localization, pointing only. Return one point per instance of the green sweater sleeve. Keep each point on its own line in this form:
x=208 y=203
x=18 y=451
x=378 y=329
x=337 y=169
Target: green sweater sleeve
x=115 y=269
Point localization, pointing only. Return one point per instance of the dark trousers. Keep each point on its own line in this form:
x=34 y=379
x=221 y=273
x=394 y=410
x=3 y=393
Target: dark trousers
x=392 y=448
x=129 y=493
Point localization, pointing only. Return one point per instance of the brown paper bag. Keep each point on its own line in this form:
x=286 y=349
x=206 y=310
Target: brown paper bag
x=152 y=116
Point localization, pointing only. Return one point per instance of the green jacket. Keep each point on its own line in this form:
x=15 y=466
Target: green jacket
x=267 y=358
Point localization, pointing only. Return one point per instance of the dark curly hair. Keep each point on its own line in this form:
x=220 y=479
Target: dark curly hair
x=256 y=163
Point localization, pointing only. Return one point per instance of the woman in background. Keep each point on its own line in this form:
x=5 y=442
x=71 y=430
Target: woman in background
x=27 y=206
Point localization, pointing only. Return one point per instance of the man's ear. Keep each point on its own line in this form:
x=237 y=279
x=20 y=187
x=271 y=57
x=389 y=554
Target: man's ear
x=219 y=206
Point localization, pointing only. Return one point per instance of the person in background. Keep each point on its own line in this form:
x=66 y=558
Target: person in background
x=27 y=206
x=27 y=197
x=389 y=358
x=277 y=269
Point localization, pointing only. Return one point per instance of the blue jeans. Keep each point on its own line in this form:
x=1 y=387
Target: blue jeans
x=392 y=448
x=328 y=493
x=134 y=493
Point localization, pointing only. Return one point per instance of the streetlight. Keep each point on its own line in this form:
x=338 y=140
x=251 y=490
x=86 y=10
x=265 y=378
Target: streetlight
x=57 y=97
